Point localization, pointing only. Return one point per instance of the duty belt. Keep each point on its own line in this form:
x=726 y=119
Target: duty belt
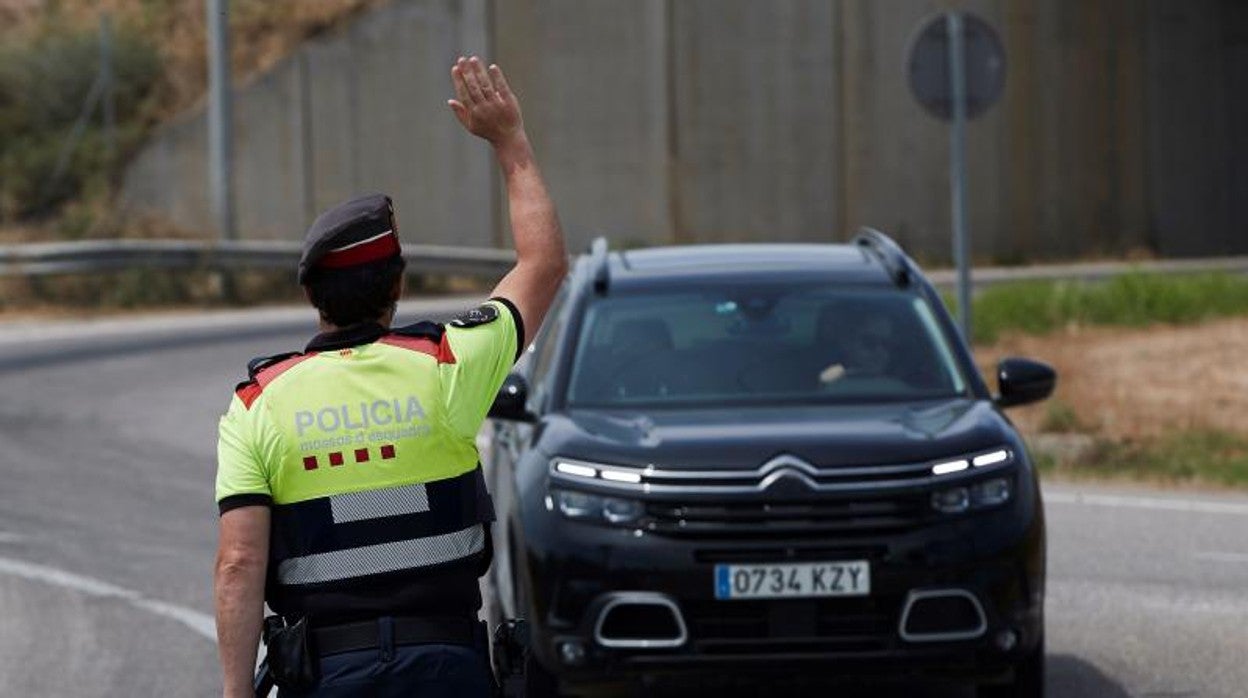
x=366 y=635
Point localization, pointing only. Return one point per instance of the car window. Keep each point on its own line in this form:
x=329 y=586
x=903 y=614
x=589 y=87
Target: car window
x=762 y=344
x=547 y=344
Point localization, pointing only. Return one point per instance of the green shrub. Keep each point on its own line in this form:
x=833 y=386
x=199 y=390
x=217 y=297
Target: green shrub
x=1134 y=299
x=1060 y=417
x=44 y=84
x=1200 y=456
x=1045 y=462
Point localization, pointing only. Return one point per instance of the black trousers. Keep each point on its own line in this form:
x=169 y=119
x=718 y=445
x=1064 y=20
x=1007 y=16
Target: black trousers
x=420 y=671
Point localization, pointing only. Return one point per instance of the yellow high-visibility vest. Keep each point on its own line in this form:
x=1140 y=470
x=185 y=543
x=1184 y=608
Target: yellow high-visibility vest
x=364 y=447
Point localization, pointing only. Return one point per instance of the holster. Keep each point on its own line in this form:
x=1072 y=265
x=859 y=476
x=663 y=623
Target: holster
x=293 y=662
x=511 y=644
x=262 y=684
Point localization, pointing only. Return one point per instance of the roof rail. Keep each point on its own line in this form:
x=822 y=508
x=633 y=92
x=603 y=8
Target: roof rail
x=598 y=261
x=890 y=254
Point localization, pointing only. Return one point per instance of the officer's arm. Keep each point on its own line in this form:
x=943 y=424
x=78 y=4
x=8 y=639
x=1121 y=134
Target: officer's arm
x=486 y=106
x=242 y=554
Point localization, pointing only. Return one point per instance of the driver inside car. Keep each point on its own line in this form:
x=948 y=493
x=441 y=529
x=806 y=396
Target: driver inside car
x=866 y=346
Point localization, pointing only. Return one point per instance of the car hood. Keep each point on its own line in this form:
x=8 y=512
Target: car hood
x=745 y=438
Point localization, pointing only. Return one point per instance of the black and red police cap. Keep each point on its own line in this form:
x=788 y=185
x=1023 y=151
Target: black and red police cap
x=359 y=231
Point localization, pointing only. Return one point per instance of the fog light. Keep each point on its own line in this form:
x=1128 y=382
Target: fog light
x=991 y=492
x=954 y=500
x=621 y=511
x=572 y=653
x=1006 y=640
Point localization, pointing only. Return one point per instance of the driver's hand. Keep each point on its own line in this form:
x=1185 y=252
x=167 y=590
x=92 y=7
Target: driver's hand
x=484 y=103
x=831 y=374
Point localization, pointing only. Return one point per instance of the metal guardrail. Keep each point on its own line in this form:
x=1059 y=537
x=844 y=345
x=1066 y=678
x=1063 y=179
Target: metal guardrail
x=87 y=256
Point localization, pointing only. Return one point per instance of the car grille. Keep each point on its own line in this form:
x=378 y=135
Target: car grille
x=785 y=496
x=842 y=625
x=750 y=519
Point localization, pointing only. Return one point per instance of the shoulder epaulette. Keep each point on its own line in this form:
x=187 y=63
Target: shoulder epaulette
x=424 y=337
x=260 y=375
x=262 y=362
x=424 y=329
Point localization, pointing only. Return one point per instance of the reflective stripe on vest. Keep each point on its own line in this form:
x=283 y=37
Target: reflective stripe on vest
x=376 y=504
x=404 y=528
x=385 y=557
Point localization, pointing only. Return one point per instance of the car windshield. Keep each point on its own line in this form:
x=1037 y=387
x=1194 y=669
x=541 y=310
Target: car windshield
x=761 y=345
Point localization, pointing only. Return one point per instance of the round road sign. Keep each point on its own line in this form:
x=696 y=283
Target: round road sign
x=928 y=66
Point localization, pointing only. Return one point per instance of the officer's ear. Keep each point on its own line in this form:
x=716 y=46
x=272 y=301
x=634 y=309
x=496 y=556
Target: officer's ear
x=400 y=285
x=307 y=293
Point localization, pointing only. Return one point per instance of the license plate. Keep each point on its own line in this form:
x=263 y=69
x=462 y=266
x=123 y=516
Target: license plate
x=799 y=580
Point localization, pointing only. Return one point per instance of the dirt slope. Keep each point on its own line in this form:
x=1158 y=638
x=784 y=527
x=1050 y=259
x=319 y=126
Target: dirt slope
x=263 y=31
x=1141 y=383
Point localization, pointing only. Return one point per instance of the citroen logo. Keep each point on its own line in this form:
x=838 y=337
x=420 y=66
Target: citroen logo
x=788 y=473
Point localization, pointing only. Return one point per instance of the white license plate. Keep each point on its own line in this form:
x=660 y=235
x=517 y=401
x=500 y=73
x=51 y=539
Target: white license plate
x=799 y=580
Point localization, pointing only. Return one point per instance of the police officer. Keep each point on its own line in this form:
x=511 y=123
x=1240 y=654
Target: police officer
x=348 y=482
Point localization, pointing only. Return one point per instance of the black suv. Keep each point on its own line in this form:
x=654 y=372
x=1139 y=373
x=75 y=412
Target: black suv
x=776 y=462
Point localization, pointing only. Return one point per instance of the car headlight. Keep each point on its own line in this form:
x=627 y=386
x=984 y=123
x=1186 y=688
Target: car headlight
x=592 y=508
x=980 y=495
x=621 y=511
x=998 y=456
x=954 y=500
x=991 y=492
x=578 y=505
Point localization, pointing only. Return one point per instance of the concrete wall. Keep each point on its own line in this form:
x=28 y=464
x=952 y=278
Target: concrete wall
x=664 y=121
x=1192 y=163
x=363 y=110
x=896 y=156
x=1236 y=40
x=592 y=74
x=755 y=117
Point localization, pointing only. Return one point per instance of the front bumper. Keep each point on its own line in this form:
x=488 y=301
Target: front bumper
x=571 y=572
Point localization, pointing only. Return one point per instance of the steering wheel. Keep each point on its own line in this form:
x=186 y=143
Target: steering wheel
x=633 y=372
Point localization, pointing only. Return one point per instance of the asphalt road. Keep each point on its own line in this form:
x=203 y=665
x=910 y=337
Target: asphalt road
x=107 y=529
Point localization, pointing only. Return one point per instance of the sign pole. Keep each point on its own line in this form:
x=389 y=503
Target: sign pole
x=221 y=127
x=957 y=167
x=106 y=89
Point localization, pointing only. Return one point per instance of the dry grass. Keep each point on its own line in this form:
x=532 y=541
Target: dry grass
x=138 y=290
x=1139 y=384
x=262 y=33
x=10 y=234
x=1162 y=404
x=14 y=13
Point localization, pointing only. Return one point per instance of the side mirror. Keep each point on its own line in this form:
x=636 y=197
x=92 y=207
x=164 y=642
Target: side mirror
x=511 y=403
x=1023 y=381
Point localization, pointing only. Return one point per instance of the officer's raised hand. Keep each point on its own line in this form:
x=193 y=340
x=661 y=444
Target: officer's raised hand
x=486 y=106
x=484 y=103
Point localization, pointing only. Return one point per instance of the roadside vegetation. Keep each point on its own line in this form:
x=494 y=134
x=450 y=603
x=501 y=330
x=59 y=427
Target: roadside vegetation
x=49 y=60
x=1152 y=375
x=1134 y=299
x=44 y=86
x=127 y=291
x=1200 y=458
x=139 y=289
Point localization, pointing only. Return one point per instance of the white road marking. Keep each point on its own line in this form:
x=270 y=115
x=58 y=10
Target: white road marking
x=1156 y=503
x=1215 y=556
x=1081 y=597
x=201 y=623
